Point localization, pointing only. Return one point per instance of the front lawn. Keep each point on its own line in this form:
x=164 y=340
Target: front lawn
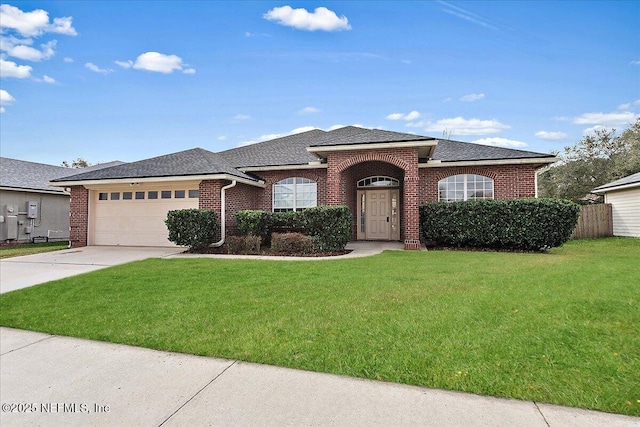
x=31 y=248
x=561 y=327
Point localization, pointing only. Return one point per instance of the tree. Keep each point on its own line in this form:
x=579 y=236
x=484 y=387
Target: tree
x=76 y=164
x=596 y=159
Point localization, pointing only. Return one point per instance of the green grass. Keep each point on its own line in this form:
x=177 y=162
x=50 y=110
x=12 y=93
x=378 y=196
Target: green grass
x=561 y=327
x=31 y=248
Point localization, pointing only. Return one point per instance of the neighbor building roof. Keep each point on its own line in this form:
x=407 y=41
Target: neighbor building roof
x=630 y=181
x=30 y=176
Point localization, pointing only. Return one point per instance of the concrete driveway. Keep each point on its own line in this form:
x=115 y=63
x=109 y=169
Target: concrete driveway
x=29 y=270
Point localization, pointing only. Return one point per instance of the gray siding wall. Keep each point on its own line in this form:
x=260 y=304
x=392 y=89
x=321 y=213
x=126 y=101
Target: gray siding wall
x=53 y=212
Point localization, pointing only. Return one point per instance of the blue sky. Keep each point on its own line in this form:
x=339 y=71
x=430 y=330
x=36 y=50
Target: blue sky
x=118 y=80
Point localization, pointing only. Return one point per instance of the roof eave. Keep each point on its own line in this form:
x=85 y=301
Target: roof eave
x=310 y=165
x=130 y=180
x=600 y=190
x=35 y=190
x=489 y=162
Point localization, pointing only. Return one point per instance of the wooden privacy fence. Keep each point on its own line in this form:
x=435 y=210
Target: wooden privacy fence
x=594 y=221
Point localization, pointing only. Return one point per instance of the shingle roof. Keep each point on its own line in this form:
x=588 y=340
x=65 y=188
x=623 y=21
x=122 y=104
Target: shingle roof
x=23 y=175
x=455 y=151
x=184 y=163
x=627 y=180
x=290 y=151
x=352 y=135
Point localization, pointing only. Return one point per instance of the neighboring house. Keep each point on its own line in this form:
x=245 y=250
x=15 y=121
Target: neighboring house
x=624 y=197
x=381 y=176
x=29 y=207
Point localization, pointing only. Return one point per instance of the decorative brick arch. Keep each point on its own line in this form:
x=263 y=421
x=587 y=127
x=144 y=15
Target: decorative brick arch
x=372 y=157
x=466 y=171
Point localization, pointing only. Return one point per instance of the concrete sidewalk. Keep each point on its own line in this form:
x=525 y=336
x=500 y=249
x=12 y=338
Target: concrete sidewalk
x=60 y=381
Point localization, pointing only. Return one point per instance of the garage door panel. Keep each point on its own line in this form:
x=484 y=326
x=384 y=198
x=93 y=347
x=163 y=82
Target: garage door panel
x=134 y=222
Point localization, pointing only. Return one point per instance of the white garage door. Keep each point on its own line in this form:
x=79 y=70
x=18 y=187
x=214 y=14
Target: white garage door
x=136 y=217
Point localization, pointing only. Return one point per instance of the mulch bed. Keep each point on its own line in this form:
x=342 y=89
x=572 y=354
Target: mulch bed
x=223 y=251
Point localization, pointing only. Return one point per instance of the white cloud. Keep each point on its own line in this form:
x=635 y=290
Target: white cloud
x=96 y=69
x=321 y=19
x=635 y=62
x=159 y=63
x=551 y=136
x=48 y=79
x=308 y=110
x=11 y=69
x=461 y=126
x=34 y=23
x=22 y=49
x=68 y=60
x=249 y=34
x=500 y=142
x=222 y=138
x=472 y=97
x=6 y=98
x=125 y=64
x=606 y=119
x=407 y=117
x=241 y=117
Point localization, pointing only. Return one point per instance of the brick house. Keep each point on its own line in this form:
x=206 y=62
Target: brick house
x=382 y=176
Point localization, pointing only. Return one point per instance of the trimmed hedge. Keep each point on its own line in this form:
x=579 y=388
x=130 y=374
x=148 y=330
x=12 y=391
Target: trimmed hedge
x=194 y=228
x=249 y=245
x=329 y=227
x=291 y=243
x=523 y=224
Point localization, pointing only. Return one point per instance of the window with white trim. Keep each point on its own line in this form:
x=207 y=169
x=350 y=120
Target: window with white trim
x=464 y=187
x=294 y=194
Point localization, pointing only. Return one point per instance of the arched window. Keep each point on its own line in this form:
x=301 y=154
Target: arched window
x=465 y=187
x=294 y=194
x=378 y=181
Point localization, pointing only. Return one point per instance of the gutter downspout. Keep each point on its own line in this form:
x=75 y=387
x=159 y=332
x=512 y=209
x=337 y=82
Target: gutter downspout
x=223 y=216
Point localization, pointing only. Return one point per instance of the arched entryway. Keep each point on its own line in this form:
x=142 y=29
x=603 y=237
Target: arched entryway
x=373 y=191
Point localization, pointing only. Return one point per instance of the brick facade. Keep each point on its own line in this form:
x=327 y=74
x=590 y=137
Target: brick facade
x=79 y=216
x=336 y=185
x=509 y=181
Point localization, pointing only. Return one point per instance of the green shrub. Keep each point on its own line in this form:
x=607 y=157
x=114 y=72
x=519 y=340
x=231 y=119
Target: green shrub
x=256 y=223
x=525 y=224
x=194 y=228
x=243 y=245
x=328 y=226
x=291 y=243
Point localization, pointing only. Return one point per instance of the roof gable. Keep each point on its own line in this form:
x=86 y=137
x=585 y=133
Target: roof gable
x=184 y=163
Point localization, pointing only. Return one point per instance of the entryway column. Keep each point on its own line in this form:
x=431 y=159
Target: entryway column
x=411 y=211
x=334 y=196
